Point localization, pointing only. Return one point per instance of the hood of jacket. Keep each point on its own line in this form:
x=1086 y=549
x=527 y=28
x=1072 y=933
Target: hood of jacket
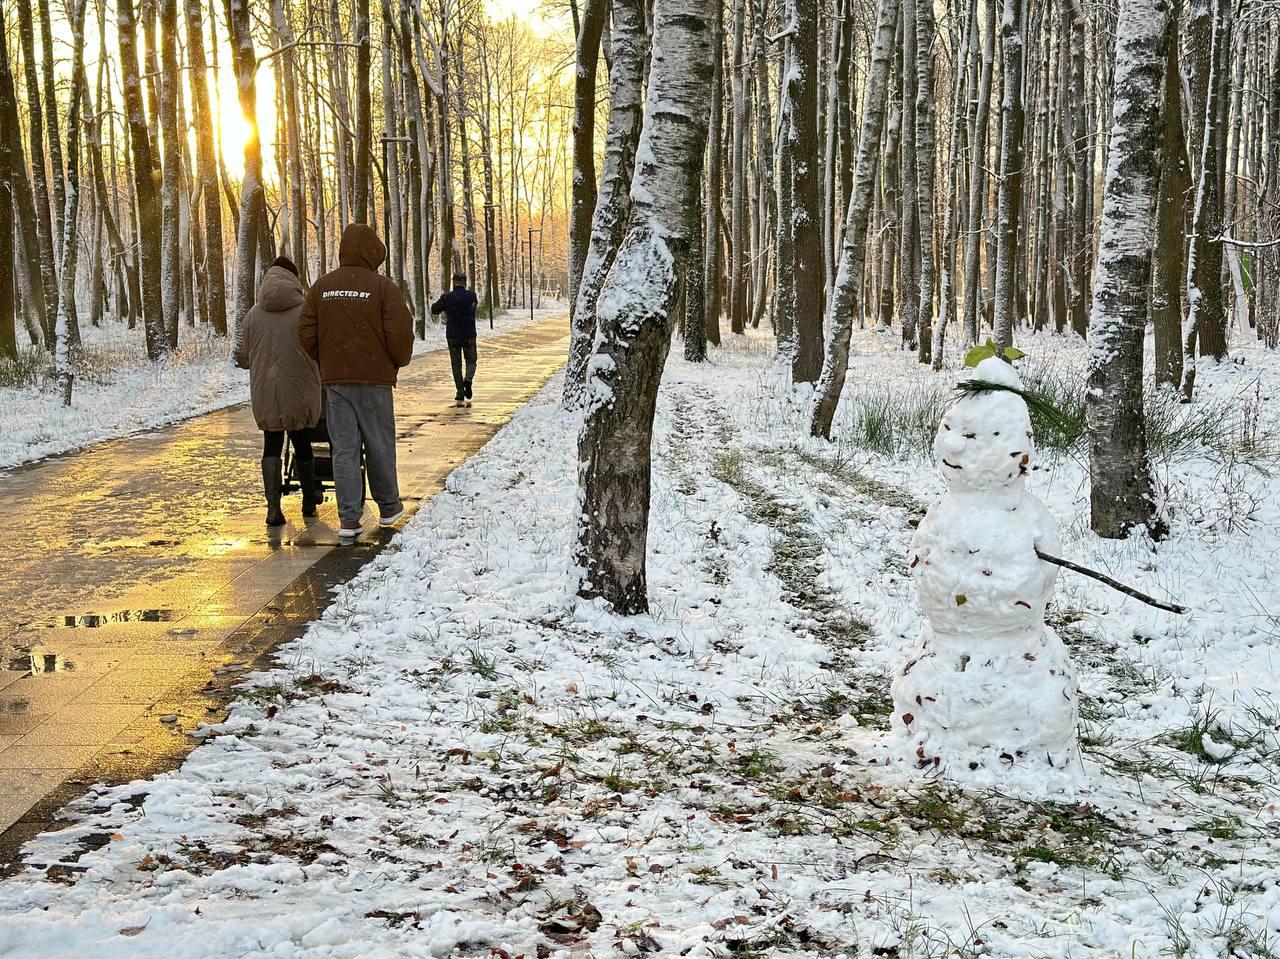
x=280 y=291
x=360 y=246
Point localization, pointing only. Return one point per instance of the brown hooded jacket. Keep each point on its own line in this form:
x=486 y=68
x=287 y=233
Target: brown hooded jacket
x=355 y=323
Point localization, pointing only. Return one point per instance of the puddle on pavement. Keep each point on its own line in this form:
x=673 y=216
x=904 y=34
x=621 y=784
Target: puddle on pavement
x=96 y=620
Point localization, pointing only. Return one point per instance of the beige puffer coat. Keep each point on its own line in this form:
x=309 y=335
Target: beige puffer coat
x=284 y=383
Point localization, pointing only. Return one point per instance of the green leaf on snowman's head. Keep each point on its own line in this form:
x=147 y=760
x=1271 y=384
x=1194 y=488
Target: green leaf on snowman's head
x=980 y=353
x=990 y=349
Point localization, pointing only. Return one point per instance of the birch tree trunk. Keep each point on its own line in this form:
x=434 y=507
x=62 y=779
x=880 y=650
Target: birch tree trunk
x=144 y=179
x=977 y=183
x=252 y=198
x=925 y=161
x=806 y=193
x=847 y=291
x=613 y=204
x=714 y=186
x=581 y=229
x=71 y=238
x=1007 y=308
x=51 y=126
x=1206 y=314
x=909 y=208
x=39 y=176
x=170 y=207
x=1167 y=266
x=364 y=104
x=1121 y=496
x=738 y=176
x=615 y=444
x=297 y=198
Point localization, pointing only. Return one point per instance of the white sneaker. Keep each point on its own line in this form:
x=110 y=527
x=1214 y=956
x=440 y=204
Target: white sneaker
x=391 y=520
x=345 y=533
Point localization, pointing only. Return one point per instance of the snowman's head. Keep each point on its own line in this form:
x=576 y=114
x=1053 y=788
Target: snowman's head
x=984 y=441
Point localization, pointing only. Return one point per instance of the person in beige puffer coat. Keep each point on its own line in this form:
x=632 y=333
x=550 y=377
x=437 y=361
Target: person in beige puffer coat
x=284 y=383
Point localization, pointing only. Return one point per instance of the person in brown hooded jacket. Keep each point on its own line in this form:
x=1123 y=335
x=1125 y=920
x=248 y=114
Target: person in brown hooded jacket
x=356 y=326
x=284 y=384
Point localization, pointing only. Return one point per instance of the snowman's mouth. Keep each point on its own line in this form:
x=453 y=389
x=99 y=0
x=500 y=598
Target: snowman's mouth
x=952 y=465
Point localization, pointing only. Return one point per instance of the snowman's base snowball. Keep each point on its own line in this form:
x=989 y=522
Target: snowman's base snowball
x=969 y=707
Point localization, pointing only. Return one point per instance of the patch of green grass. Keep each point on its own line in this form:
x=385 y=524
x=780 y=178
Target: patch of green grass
x=757 y=763
x=486 y=667
x=29 y=368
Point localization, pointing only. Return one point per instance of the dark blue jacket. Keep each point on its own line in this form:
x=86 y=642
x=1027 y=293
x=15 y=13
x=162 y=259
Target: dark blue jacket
x=459 y=306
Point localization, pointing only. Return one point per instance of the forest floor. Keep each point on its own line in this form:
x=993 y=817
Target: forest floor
x=117 y=391
x=462 y=758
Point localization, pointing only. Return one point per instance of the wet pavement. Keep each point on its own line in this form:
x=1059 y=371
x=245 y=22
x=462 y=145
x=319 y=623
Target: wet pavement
x=138 y=583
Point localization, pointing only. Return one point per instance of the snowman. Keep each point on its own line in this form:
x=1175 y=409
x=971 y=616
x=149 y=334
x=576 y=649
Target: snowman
x=990 y=691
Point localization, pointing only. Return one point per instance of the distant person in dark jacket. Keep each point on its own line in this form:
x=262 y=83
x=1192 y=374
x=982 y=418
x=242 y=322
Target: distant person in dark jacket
x=459 y=308
x=284 y=383
x=356 y=325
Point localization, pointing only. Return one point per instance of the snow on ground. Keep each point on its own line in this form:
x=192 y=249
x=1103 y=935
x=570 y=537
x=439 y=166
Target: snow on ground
x=118 y=392
x=462 y=758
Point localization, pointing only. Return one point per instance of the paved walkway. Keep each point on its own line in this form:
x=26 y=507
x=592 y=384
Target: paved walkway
x=139 y=581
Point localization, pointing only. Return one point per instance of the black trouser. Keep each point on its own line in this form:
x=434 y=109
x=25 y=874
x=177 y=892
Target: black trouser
x=273 y=444
x=458 y=350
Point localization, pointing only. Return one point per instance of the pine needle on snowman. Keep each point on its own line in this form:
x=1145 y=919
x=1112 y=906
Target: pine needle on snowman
x=990 y=688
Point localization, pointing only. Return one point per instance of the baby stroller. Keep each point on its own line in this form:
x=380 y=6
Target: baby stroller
x=322 y=450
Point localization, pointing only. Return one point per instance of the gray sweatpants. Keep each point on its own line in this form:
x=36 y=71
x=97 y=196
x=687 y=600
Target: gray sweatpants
x=361 y=414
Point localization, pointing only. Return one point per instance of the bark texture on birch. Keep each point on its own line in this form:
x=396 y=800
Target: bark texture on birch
x=613 y=204
x=583 y=187
x=615 y=443
x=1121 y=495
x=847 y=291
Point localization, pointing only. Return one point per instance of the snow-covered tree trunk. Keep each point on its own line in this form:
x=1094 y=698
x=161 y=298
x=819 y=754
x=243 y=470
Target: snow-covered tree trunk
x=609 y=223
x=71 y=236
x=1206 y=314
x=1168 y=265
x=144 y=170
x=213 y=268
x=847 y=291
x=951 y=219
x=170 y=206
x=51 y=127
x=364 y=105
x=738 y=278
x=1121 y=496
x=1079 y=161
x=712 y=218
x=925 y=159
x=252 y=197
x=890 y=194
x=1009 y=198
x=910 y=242
x=765 y=145
x=977 y=183
x=288 y=79
x=590 y=26
x=39 y=175
x=614 y=446
x=784 y=296
x=806 y=192
x=695 y=286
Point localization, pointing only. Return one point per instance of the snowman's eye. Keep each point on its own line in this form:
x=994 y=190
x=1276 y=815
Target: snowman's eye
x=971 y=436
x=947 y=427
x=996 y=433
